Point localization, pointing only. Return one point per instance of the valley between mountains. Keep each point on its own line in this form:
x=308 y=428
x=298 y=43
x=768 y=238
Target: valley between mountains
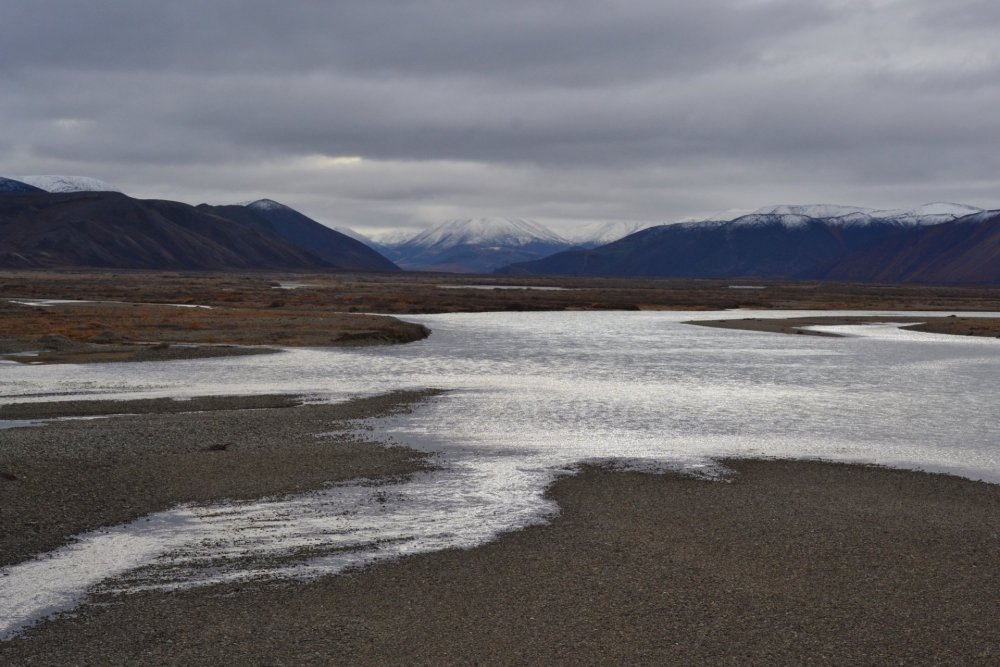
x=79 y=222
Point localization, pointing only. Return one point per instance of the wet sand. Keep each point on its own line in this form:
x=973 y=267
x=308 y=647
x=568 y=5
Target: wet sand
x=788 y=563
x=68 y=477
x=960 y=326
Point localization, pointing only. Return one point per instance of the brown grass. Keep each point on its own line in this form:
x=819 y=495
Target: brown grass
x=247 y=309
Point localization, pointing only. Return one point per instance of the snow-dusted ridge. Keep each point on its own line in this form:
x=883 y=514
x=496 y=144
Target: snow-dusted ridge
x=57 y=183
x=798 y=215
x=826 y=211
x=501 y=232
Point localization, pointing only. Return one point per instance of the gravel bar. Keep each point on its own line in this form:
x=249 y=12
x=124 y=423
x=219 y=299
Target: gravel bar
x=787 y=563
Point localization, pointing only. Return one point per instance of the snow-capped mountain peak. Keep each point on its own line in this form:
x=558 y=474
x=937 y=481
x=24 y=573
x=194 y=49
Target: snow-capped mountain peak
x=55 y=183
x=265 y=205
x=507 y=232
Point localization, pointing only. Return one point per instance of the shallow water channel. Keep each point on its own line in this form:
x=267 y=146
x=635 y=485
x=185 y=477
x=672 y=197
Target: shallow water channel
x=530 y=396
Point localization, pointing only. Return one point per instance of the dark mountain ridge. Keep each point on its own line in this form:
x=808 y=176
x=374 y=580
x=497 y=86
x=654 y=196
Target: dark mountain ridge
x=785 y=246
x=9 y=185
x=112 y=230
x=966 y=250
x=328 y=244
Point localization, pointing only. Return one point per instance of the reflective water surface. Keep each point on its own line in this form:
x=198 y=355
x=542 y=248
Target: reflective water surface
x=530 y=396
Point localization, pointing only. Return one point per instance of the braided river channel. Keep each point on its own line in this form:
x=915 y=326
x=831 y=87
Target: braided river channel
x=529 y=396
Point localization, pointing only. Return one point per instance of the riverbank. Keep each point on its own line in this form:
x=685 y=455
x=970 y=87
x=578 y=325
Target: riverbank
x=957 y=326
x=40 y=331
x=409 y=293
x=67 y=477
x=786 y=563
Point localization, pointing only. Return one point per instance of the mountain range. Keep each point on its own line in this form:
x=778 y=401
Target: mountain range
x=938 y=242
x=73 y=221
x=109 y=229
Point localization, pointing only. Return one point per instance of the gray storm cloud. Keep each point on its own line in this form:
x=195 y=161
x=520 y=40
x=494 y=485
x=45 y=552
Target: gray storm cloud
x=562 y=111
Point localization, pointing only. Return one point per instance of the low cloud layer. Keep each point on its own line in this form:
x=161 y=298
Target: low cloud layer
x=392 y=114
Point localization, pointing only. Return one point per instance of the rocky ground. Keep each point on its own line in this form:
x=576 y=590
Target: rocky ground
x=788 y=563
x=67 y=477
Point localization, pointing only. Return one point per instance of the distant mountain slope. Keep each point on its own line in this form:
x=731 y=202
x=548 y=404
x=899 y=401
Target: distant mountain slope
x=774 y=245
x=600 y=234
x=966 y=250
x=927 y=244
x=106 y=229
x=358 y=236
x=333 y=246
x=9 y=185
x=476 y=245
x=68 y=184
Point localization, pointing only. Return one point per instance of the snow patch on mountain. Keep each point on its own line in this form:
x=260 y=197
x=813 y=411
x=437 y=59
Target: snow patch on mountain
x=811 y=210
x=266 y=205
x=798 y=215
x=498 y=232
x=928 y=214
x=56 y=183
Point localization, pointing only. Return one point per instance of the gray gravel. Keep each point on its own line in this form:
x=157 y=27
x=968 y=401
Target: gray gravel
x=90 y=408
x=791 y=563
x=68 y=477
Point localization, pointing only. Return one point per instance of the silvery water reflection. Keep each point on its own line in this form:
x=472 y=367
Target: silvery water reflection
x=531 y=394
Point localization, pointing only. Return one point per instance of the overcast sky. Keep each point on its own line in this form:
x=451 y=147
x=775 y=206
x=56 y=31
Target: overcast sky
x=384 y=114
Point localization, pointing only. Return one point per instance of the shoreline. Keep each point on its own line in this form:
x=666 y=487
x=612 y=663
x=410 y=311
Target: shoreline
x=60 y=479
x=988 y=327
x=111 y=331
x=783 y=562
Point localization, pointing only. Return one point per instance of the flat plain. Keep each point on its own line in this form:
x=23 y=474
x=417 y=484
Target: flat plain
x=784 y=562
